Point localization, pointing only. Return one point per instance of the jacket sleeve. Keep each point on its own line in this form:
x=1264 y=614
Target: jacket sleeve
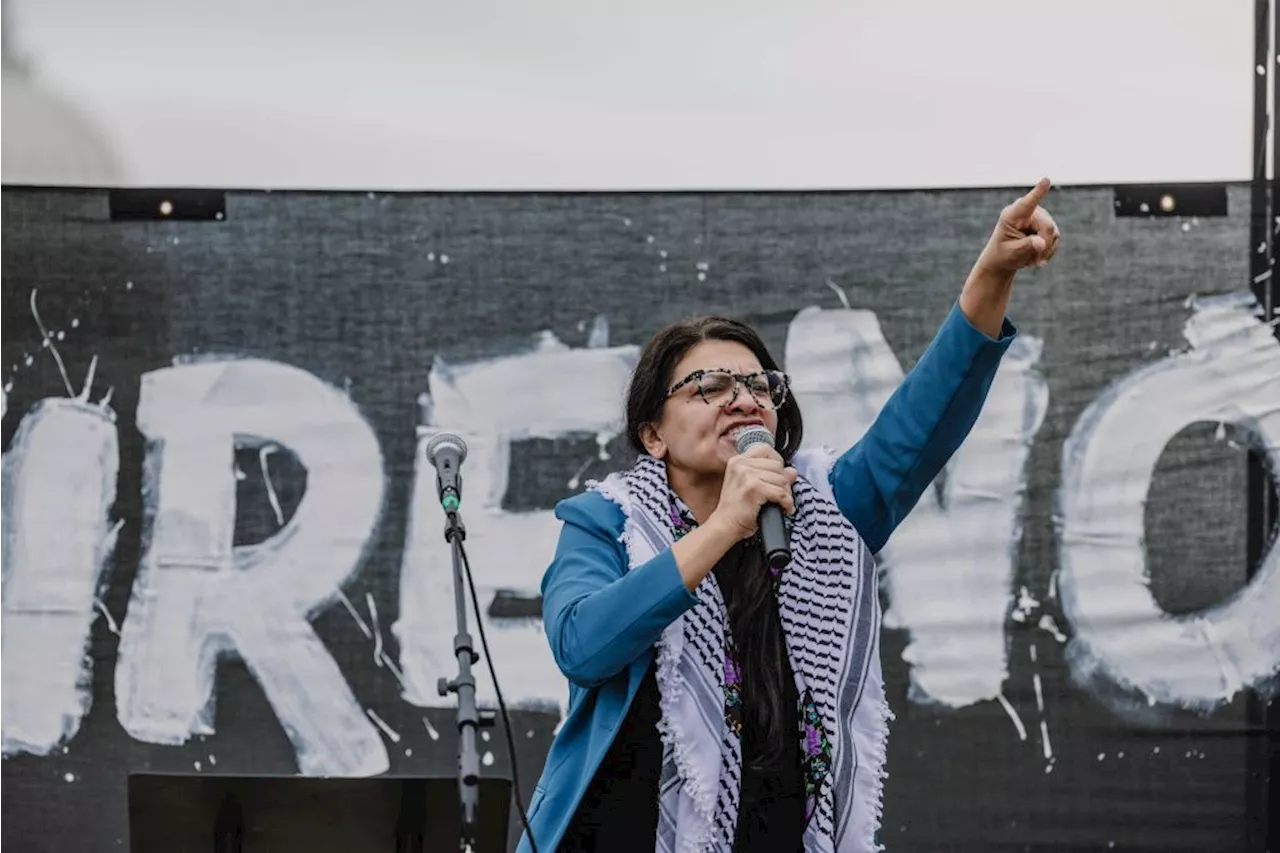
x=878 y=481
x=599 y=617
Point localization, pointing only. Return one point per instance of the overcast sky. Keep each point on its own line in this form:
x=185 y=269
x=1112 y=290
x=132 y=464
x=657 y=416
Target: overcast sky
x=576 y=94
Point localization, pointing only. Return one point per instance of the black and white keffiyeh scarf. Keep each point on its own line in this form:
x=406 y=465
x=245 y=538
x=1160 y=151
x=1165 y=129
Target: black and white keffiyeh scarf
x=830 y=614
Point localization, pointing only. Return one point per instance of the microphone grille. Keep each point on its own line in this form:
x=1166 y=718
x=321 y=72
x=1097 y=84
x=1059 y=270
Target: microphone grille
x=445 y=439
x=752 y=435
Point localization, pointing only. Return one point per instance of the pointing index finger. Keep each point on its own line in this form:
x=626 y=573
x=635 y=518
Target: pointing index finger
x=1024 y=207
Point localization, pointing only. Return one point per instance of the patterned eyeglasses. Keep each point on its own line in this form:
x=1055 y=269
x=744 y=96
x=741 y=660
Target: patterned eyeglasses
x=720 y=386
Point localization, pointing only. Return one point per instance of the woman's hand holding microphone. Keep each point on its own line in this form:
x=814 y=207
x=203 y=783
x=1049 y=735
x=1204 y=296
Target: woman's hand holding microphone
x=751 y=479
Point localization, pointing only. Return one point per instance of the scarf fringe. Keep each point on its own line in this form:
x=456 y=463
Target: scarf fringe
x=878 y=760
x=614 y=488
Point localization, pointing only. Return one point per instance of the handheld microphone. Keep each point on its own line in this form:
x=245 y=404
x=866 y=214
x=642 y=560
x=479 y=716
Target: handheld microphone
x=773 y=533
x=446 y=451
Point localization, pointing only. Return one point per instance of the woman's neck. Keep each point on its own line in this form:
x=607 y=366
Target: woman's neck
x=700 y=492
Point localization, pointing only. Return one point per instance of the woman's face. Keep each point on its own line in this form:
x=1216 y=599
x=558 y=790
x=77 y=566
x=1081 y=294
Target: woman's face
x=696 y=436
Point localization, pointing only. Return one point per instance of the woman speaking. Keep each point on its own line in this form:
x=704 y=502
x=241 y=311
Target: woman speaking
x=716 y=703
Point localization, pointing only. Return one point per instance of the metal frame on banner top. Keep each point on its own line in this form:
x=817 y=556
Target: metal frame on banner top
x=1264 y=223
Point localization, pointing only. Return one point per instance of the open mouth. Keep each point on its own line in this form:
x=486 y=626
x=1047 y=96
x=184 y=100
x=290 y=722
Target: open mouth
x=732 y=430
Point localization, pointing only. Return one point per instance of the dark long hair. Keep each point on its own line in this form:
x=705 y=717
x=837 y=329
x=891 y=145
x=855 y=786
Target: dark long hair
x=752 y=606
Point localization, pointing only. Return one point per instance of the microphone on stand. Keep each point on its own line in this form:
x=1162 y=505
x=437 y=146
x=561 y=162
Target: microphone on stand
x=446 y=452
x=773 y=532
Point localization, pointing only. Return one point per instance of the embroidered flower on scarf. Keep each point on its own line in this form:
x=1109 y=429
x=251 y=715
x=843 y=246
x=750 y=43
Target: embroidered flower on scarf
x=816 y=752
x=732 y=687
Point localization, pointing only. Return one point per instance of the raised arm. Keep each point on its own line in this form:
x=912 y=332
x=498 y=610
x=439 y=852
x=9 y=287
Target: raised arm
x=880 y=479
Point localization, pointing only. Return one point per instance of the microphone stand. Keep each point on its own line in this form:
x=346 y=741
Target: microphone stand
x=469 y=718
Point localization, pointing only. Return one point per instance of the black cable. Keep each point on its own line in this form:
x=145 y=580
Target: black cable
x=502 y=705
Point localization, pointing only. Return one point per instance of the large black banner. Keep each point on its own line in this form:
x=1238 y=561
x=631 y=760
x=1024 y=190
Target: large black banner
x=223 y=557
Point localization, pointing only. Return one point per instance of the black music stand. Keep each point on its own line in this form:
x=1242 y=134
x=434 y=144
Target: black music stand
x=181 y=813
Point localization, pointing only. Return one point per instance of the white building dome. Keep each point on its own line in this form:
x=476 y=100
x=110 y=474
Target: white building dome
x=45 y=139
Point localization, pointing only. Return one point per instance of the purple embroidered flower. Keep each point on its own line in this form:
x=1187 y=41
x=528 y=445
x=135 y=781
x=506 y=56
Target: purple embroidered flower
x=732 y=675
x=812 y=740
x=815 y=751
